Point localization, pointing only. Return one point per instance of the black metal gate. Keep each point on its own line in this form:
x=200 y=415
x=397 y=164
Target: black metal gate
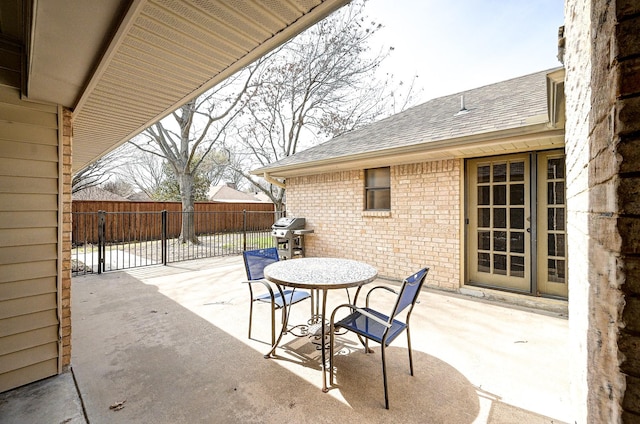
x=108 y=241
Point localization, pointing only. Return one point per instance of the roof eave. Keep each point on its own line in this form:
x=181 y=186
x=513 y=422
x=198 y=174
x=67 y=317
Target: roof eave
x=97 y=126
x=532 y=137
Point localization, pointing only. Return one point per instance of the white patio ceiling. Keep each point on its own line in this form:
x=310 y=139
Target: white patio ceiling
x=122 y=65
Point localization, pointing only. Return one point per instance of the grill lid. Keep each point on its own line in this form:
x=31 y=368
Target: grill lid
x=289 y=224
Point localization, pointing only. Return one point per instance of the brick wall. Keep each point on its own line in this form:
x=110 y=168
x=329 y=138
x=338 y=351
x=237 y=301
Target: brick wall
x=422 y=229
x=623 y=75
x=67 y=132
x=602 y=141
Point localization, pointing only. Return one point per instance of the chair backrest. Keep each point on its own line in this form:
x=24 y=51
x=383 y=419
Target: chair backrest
x=409 y=291
x=256 y=260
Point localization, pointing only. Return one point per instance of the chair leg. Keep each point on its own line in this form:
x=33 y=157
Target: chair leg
x=250 y=308
x=273 y=324
x=331 y=337
x=384 y=375
x=250 y=316
x=409 y=348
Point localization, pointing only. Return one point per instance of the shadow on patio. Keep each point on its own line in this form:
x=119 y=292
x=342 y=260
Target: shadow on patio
x=172 y=343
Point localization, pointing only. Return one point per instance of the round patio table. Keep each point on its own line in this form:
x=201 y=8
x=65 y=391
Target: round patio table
x=320 y=275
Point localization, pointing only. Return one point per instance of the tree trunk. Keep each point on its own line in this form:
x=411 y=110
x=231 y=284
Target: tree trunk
x=188 y=231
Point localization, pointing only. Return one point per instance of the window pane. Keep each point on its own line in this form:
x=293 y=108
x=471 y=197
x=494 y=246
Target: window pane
x=516 y=192
x=555 y=168
x=500 y=241
x=555 y=193
x=484 y=240
x=555 y=219
x=556 y=245
x=500 y=218
x=516 y=171
x=555 y=268
x=500 y=172
x=484 y=217
x=500 y=194
x=379 y=199
x=517 y=218
x=379 y=177
x=517 y=266
x=483 y=174
x=484 y=262
x=500 y=264
x=377 y=189
x=517 y=242
x=483 y=195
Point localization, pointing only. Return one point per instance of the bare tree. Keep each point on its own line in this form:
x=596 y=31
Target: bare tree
x=119 y=186
x=143 y=170
x=217 y=168
x=319 y=85
x=187 y=136
x=95 y=174
x=169 y=188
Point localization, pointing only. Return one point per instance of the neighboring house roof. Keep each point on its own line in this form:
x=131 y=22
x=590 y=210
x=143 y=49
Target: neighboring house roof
x=140 y=197
x=506 y=109
x=224 y=193
x=262 y=197
x=97 y=193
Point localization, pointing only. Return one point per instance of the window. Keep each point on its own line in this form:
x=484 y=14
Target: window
x=378 y=189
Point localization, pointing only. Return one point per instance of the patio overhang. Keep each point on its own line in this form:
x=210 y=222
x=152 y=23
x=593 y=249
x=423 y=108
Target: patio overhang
x=121 y=65
x=537 y=136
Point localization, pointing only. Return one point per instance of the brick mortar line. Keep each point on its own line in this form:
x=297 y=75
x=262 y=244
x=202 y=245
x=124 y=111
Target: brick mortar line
x=629 y=96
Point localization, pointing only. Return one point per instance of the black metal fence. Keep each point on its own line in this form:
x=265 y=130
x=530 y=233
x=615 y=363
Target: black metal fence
x=108 y=241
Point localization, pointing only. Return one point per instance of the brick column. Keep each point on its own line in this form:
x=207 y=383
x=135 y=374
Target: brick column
x=67 y=133
x=625 y=79
x=603 y=192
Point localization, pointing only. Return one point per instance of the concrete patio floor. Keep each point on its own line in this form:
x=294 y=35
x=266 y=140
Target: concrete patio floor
x=170 y=344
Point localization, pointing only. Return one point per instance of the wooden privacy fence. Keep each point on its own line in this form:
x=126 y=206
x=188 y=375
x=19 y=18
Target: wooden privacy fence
x=143 y=221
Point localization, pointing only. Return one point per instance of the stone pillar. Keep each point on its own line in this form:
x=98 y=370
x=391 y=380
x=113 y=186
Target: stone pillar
x=602 y=61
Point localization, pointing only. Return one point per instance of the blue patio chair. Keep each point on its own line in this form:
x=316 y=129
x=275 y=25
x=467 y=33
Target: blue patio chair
x=254 y=263
x=370 y=324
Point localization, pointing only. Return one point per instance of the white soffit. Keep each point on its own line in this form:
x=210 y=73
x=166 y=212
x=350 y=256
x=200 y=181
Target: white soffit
x=167 y=51
x=67 y=42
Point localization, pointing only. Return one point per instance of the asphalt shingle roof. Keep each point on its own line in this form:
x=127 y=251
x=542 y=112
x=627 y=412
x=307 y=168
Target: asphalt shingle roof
x=503 y=105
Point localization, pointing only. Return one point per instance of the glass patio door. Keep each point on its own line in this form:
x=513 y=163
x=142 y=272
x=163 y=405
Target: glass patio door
x=516 y=233
x=499 y=222
x=552 y=246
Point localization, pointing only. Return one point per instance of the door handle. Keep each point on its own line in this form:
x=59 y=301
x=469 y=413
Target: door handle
x=528 y=230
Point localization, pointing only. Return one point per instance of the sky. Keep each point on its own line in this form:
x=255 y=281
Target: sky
x=456 y=45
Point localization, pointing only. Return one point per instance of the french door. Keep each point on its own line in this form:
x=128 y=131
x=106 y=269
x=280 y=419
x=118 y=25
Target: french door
x=516 y=237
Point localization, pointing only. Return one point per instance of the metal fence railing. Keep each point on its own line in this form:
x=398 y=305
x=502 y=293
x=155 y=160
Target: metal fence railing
x=108 y=241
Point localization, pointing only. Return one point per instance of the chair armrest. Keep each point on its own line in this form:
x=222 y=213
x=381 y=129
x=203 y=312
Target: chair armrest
x=344 y=305
x=266 y=284
x=389 y=289
x=373 y=317
x=261 y=281
x=361 y=311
